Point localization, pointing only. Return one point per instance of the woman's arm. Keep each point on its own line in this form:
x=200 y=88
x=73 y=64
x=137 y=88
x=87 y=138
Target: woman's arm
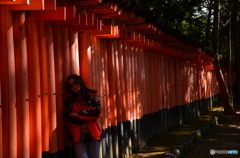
x=69 y=117
x=94 y=110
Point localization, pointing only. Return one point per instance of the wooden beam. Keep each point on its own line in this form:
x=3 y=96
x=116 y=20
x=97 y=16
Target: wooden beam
x=50 y=5
x=151 y=45
x=87 y=2
x=108 y=31
x=99 y=8
x=90 y=19
x=87 y=19
x=136 y=20
x=58 y=14
x=111 y=14
x=140 y=41
x=126 y=35
x=71 y=11
x=125 y=15
x=68 y=21
x=83 y=27
x=33 y=5
x=9 y=2
x=139 y=27
x=44 y=5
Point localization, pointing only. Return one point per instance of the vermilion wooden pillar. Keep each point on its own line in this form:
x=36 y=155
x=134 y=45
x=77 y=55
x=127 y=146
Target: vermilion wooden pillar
x=74 y=51
x=151 y=83
x=214 y=87
x=51 y=89
x=93 y=63
x=132 y=89
x=95 y=67
x=129 y=84
x=160 y=100
x=126 y=91
x=44 y=85
x=181 y=66
x=188 y=81
x=104 y=89
x=201 y=83
x=137 y=86
x=112 y=80
x=4 y=87
x=176 y=80
x=102 y=93
x=126 y=77
x=93 y=72
x=173 y=87
x=203 y=87
x=192 y=83
x=122 y=95
x=107 y=98
x=112 y=95
x=140 y=82
x=160 y=82
x=22 y=98
x=85 y=58
x=162 y=74
x=9 y=86
x=168 y=80
x=209 y=81
x=121 y=113
x=156 y=81
x=117 y=81
x=98 y=66
x=34 y=88
x=133 y=85
x=183 y=92
x=1 y=117
x=65 y=52
x=121 y=80
x=165 y=88
x=136 y=99
x=197 y=83
x=143 y=82
x=60 y=85
x=130 y=94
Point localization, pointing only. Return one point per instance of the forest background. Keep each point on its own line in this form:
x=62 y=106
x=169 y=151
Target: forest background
x=212 y=25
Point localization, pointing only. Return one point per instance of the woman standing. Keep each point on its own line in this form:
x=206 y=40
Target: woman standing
x=82 y=113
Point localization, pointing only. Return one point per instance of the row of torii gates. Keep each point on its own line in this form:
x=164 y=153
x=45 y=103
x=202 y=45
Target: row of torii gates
x=148 y=82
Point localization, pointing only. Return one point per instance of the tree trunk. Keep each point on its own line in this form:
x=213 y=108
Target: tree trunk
x=208 y=23
x=161 y=8
x=236 y=48
x=225 y=97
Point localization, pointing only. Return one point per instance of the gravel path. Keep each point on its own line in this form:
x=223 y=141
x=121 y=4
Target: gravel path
x=225 y=136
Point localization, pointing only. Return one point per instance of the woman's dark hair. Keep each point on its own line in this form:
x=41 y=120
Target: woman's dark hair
x=84 y=90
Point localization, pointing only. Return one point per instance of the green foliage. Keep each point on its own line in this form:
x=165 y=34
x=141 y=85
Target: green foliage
x=194 y=29
x=189 y=18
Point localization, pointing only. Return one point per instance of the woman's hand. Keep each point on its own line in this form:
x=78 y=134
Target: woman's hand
x=74 y=114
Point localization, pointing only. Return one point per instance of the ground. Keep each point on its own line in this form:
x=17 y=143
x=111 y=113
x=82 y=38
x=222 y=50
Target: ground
x=224 y=136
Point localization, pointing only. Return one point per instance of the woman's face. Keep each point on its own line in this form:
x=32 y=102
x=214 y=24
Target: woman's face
x=74 y=85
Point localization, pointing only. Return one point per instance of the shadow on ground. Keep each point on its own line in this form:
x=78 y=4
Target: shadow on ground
x=224 y=136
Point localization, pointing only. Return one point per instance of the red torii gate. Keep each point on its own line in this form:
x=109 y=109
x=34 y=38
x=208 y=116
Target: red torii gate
x=137 y=69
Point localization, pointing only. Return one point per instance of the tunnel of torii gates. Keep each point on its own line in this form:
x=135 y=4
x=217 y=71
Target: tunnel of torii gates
x=148 y=82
